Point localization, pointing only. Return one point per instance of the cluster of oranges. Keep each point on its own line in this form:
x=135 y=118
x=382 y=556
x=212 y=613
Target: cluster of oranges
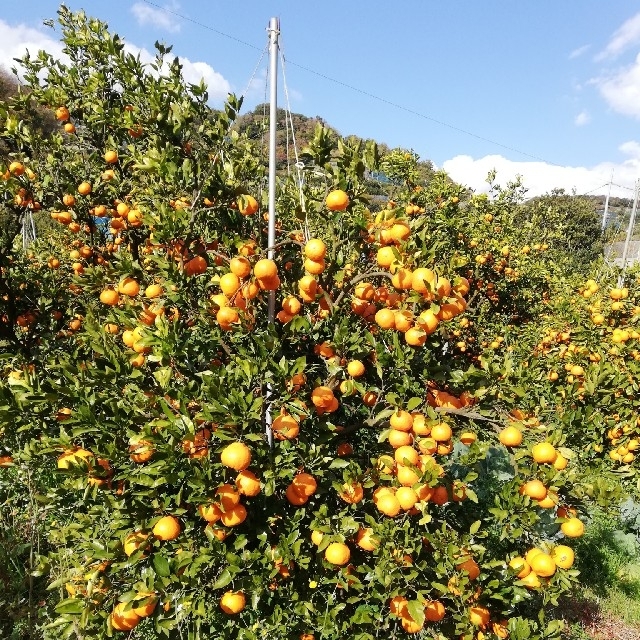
x=539 y=563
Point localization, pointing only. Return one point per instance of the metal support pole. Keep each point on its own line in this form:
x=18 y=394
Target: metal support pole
x=274 y=34
x=627 y=242
x=606 y=204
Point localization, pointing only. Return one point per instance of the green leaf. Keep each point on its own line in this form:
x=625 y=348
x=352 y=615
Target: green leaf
x=223 y=579
x=161 y=566
x=71 y=606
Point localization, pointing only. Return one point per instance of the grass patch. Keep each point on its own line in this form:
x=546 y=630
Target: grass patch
x=608 y=604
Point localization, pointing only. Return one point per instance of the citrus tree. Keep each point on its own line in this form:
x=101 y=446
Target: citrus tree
x=251 y=441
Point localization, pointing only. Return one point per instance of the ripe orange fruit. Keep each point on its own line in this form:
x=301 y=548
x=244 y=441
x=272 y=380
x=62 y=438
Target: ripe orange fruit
x=240 y=266
x=304 y=484
x=322 y=397
x=563 y=556
x=531 y=581
x=153 y=291
x=511 y=436
x=167 y=528
x=133 y=541
x=109 y=297
x=337 y=200
x=402 y=279
x=398 y=605
x=129 y=287
x=248 y=484
x=124 y=619
x=407 y=476
x=227 y=317
x=234 y=516
x=344 y=449
x=560 y=462
x=236 y=456
x=440 y=495
x=295 y=498
x=314 y=267
x=316 y=537
x=468 y=437
x=111 y=157
x=520 y=565
x=227 y=496
x=434 y=611
x=422 y=280
x=470 y=566
x=141 y=451
x=62 y=114
x=355 y=368
x=351 y=493
x=247 y=205
x=543 y=565
x=479 y=616
x=233 y=602
x=415 y=336
x=441 y=432
x=531 y=554
x=195 y=266
x=337 y=553
x=534 y=489
x=407 y=497
x=365 y=539
x=147 y=604
x=409 y=624
x=265 y=269
x=386 y=257
x=572 y=528
x=315 y=249
x=229 y=284
x=210 y=512
x=388 y=504
x=84 y=188
x=401 y=420
x=399 y=438
x=385 y=319
x=407 y=455
x=544 y=453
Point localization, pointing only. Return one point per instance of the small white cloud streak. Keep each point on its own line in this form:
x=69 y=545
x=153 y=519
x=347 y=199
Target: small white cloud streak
x=576 y=53
x=147 y=15
x=624 y=37
x=582 y=118
x=540 y=177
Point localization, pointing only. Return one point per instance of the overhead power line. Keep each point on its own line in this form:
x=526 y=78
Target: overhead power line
x=368 y=94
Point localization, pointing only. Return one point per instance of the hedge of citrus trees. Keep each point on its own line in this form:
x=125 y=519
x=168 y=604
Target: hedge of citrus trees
x=404 y=450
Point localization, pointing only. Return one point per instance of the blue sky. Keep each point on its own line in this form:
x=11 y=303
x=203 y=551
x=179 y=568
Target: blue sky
x=548 y=90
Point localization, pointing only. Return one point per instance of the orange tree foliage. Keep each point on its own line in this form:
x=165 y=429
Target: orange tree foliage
x=143 y=379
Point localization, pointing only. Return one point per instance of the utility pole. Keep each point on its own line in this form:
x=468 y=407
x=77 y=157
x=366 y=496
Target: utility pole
x=606 y=204
x=627 y=242
x=274 y=34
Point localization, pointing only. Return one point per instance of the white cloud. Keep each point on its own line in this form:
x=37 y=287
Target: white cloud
x=217 y=85
x=146 y=14
x=621 y=89
x=16 y=40
x=626 y=36
x=576 y=53
x=540 y=177
x=582 y=118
